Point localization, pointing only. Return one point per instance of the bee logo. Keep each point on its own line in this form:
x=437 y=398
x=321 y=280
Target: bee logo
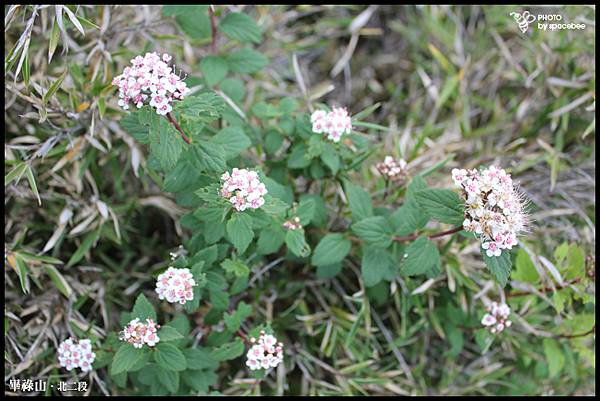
x=523 y=20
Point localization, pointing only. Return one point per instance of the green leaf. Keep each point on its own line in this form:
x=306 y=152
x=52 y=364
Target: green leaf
x=204 y=107
x=246 y=61
x=374 y=230
x=420 y=257
x=441 y=204
x=240 y=27
x=239 y=231
x=168 y=333
x=15 y=174
x=54 y=36
x=306 y=210
x=575 y=263
x=168 y=147
x=133 y=126
x=23 y=272
x=297 y=158
x=169 y=357
x=296 y=243
x=229 y=351
x=274 y=206
x=208 y=156
x=200 y=358
x=331 y=158
x=499 y=266
x=234 y=320
x=168 y=378
x=328 y=271
x=125 y=359
x=194 y=21
x=86 y=244
x=214 y=69
x=407 y=219
x=199 y=380
x=525 y=270
x=331 y=249
x=54 y=87
x=270 y=240
x=143 y=309
x=360 y=202
x=554 y=356
x=375 y=263
x=233 y=140
x=235 y=267
x=59 y=281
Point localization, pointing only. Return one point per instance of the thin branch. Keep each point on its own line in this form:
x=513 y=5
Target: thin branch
x=183 y=135
x=545 y=289
x=432 y=236
x=593 y=329
x=213 y=27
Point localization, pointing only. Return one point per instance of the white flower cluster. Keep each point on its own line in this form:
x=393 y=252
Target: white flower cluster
x=243 y=189
x=264 y=354
x=149 y=80
x=494 y=208
x=335 y=123
x=495 y=319
x=392 y=169
x=292 y=224
x=73 y=355
x=137 y=333
x=175 y=285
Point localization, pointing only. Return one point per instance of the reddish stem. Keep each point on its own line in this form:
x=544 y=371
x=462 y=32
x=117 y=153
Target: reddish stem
x=243 y=335
x=183 y=135
x=213 y=26
x=577 y=335
x=432 y=236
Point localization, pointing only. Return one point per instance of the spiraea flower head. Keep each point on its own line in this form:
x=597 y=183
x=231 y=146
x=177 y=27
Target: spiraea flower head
x=334 y=124
x=392 y=170
x=243 y=189
x=176 y=285
x=73 y=355
x=150 y=80
x=137 y=333
x=494 y=208
x=496 y=320
x=265 y=353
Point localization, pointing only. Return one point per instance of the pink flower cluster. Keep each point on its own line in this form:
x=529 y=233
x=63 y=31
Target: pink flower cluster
x=496 y=317
x=243 y=189
x=392 y=169
x=76 y=355
x=493 y=207
x=335 y=123
x=175 y=285
x=292 y=224
x=149 y=80
x=137 y=333
x=264 y=354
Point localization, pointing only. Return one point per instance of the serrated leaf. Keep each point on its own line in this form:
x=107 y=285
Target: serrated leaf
x=420 y=257
x=407 y=219
x=168 y=378
x=235 y=267
x=296 y=243
x=143 y=309
x=234 y=320
x=199 y=380
x=233 y=140
x=193 y=21
x=441 y=204
x=374 y=230
x=214 y=69
x=229 y=351
x=554 y=356
x=305 y=211
x=375 y=263
x=204 y=107
x=200 y=358
x=168 y=147
x=240 y=27
x=168 y=333
x=208 y=156
x=499 y=266
x=169 y=357
x=360 y=202
x=270 y=240
x=125 y=358
x=239 y=231
x=332 y=249
x=246 y=61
